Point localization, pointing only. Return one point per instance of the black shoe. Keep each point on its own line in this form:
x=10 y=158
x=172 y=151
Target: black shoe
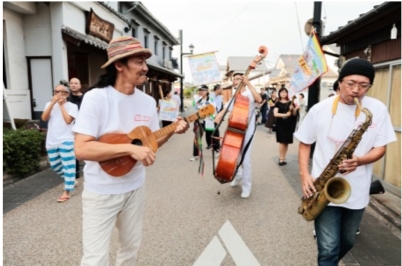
x=282 y=162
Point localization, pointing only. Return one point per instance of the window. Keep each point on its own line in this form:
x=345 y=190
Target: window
x=164 y=50
x=146 y=37
x=156 y=44
x=4 y=71
x=146 y=41
x=134 y=32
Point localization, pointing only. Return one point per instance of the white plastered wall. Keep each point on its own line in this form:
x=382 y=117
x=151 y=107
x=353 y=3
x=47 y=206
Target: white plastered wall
x=16 y=66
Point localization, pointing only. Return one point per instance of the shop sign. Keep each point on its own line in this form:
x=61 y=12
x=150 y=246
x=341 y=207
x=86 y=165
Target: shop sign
x=99 y=27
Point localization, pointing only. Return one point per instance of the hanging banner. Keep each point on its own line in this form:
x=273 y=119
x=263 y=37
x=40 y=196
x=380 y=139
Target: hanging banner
x=312 y=64
x=204 y=68
x=167 y=110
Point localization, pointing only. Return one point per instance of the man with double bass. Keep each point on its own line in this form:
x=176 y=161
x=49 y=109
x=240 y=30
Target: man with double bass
x=244 y=172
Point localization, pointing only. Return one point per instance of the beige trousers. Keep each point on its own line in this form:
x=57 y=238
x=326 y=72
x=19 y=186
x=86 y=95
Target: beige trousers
x=100 y=214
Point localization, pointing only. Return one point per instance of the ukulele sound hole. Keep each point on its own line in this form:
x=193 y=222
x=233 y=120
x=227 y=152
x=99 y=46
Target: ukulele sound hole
x=137 y=142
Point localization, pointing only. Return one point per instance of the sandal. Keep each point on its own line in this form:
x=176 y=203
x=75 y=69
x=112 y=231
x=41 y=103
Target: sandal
x=63 y=199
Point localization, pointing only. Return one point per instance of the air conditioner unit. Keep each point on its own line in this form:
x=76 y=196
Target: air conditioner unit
x=167 y=63
x=174 y=63
x=340 y=61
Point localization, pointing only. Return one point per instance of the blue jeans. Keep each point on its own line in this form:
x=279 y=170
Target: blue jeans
x=336 y=232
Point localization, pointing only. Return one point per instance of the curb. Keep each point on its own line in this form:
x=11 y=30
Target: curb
x=390 y=213
x=11 y=179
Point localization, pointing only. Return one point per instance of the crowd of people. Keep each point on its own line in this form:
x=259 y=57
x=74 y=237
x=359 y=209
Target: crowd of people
x=114 y=103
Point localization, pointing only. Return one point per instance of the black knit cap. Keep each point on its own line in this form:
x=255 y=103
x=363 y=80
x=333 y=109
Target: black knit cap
x=358 y=66
x=336 y=85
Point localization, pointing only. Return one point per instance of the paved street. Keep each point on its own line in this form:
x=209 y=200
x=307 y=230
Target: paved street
x=186 y=221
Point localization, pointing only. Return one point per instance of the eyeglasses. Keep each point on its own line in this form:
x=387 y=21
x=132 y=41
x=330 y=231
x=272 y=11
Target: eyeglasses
x=352 y=84
x=56 y=92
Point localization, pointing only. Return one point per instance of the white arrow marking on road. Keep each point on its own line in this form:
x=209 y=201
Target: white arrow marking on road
x=241 y=254
x=214 y=253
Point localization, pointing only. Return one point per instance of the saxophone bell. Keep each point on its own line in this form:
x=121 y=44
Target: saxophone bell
x=337 y=190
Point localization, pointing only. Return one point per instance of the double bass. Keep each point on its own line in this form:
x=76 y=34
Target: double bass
x=232 y=143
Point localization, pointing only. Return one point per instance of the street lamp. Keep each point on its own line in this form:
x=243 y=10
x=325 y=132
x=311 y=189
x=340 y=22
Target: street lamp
x=181 y=67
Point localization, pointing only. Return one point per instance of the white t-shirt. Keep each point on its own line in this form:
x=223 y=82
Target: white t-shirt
x=209 y=120
x=107 y=110
x=218 y=99
x=176 y=98
x=251 y=111
x=58 y=130
x=316 y=126
x=302 y=104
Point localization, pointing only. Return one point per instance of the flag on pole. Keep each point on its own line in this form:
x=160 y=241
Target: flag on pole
x=312 y=64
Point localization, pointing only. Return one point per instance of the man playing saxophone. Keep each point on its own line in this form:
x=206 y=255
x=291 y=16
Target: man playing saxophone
x=329 y=124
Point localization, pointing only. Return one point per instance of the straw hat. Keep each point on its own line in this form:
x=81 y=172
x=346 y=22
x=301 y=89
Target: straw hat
x=124 y=46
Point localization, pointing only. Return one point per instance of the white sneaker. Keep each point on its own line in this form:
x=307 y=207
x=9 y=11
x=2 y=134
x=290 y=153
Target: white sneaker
x=235 y=182
x=217 y=154
x=194 y=158
x=245 y=194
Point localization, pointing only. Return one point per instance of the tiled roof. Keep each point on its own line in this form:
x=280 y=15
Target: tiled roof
x=158 y=67
x=89 y=39
x=378 y=11
x=242 y=63
x=290 y=60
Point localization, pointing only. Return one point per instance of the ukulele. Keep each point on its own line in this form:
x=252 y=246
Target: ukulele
x=142 y=136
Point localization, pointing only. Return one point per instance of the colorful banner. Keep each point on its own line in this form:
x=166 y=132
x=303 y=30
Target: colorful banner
x=204 y=68
x=312 y=64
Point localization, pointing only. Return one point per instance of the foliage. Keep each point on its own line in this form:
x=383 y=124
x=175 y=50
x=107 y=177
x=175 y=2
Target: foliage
x=188 y=92
x=22 y=151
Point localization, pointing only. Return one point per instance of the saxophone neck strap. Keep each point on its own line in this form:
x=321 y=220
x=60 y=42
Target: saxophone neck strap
x=335 y=106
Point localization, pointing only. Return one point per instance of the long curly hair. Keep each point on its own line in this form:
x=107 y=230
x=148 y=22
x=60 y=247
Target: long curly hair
x=108 y=78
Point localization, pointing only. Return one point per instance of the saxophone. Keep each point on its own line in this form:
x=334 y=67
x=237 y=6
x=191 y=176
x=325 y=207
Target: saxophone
x=328 y=187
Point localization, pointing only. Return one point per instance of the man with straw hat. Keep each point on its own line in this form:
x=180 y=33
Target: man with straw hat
x=115 y=104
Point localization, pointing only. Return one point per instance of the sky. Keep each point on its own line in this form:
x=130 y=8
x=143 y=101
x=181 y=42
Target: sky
x=238 y=28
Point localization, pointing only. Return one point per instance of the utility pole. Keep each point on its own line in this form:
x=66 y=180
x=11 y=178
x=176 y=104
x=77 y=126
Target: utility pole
x=181 y=70
x=181 y=67
x=314 y=89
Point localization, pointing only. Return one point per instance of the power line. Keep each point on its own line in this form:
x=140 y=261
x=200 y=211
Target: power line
x=298 y=21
